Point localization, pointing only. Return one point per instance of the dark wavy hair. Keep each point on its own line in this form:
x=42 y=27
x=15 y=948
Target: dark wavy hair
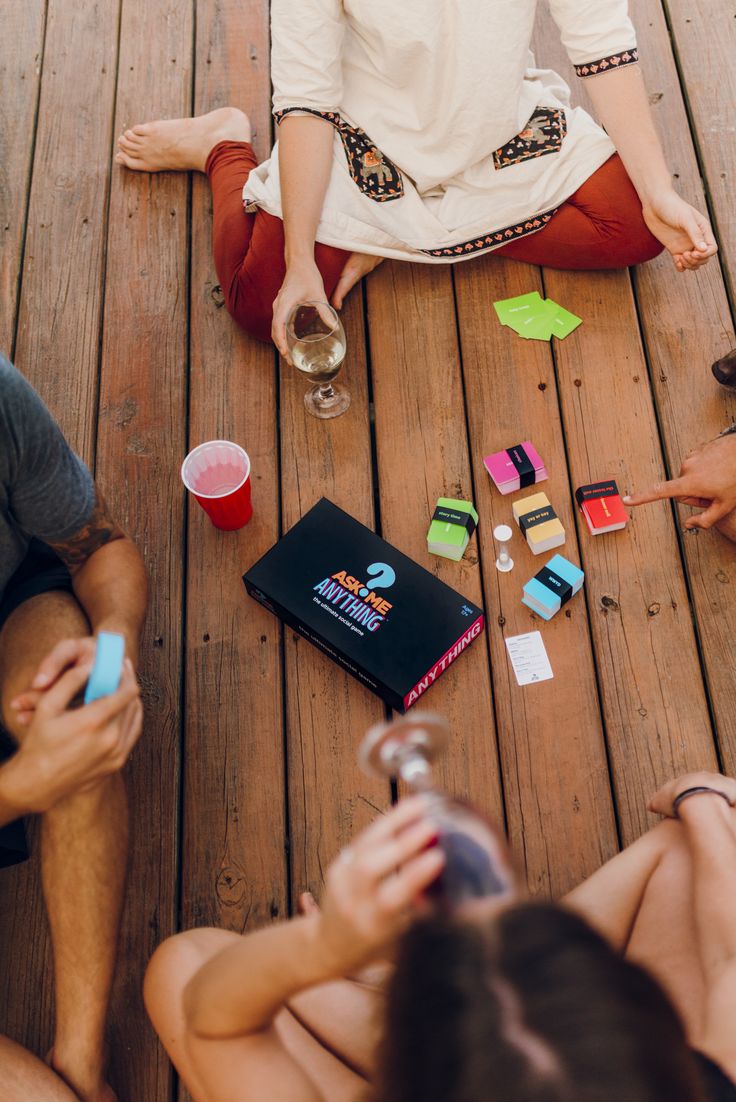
x=532 y=1007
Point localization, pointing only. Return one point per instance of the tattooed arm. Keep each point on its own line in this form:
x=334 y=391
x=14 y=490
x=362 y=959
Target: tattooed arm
x=110 y=583
x=108 y=576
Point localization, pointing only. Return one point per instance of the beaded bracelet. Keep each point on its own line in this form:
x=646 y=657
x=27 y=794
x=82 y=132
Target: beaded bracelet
x=696 y=792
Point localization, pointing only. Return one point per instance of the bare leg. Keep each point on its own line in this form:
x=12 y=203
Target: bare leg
x=25 y=1078
x=664 y=938
x=171 y=968
x=83 y=857
x=180 y=145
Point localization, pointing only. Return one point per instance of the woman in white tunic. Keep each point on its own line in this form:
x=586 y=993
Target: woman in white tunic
x=422 y=130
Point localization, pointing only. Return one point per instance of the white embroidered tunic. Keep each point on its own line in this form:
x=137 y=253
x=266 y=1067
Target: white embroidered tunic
x=448 y=140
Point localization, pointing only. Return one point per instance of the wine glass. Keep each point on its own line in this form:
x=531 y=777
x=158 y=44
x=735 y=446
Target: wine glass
x=477 y=864
x=316 y=341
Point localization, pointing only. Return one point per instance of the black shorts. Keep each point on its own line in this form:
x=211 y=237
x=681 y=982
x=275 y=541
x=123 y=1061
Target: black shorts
x=41 y=571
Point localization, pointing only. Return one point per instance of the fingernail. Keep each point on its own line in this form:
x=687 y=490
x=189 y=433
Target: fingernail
x=40 y=681
x=626 y=498
x=702 y=245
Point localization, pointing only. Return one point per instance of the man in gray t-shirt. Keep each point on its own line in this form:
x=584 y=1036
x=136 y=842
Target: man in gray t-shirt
x=67 y=571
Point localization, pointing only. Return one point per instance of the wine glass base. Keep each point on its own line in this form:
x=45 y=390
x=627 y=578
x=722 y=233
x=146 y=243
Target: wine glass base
x=325 y=408
x=387 y=746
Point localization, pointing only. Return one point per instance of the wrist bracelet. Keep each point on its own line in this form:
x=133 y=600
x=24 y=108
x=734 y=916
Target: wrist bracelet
x=697 y=791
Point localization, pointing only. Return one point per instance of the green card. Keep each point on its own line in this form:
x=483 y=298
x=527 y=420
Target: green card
x=535 y=318
x=513 y=310
x=563 y=322
x=538 y=327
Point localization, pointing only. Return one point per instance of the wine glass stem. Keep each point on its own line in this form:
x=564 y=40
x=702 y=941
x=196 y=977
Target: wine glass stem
x=326 y=392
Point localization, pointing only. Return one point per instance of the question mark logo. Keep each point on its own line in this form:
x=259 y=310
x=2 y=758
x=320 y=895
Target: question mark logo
x=383 y=576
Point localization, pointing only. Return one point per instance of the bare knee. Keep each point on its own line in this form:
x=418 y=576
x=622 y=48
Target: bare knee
x=171 y=968
x=30 y=632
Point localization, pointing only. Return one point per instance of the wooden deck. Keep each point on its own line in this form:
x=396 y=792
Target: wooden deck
x=245 y=783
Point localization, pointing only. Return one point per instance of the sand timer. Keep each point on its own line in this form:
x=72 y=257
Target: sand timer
x=477 y=865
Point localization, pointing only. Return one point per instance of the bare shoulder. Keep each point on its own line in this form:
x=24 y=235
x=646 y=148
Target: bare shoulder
x=99 y=530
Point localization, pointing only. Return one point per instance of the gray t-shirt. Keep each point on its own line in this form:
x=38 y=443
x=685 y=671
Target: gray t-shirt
x=45 y=489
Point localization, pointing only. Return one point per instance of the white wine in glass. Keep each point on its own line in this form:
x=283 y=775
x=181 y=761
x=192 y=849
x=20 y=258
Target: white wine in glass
x=316 y=341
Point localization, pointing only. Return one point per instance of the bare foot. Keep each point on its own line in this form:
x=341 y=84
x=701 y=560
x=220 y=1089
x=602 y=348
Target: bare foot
x=180 y=145
x=356 y=266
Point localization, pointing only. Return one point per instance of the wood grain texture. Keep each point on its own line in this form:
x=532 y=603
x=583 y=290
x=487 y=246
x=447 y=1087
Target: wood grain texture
x=559 y=806
x=327 y=711
x=233 y=862
x=59 y=317
x=142 y=438
x=654 y=703
x=422 y=451
x=686 y=325
x=57 y=348
x=21 y=58
x=704 y=36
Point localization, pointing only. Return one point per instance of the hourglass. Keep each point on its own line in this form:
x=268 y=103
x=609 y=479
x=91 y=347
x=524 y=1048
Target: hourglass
x=477 y=864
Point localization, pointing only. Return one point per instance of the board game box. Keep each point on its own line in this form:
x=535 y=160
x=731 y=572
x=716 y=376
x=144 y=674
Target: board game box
x=389 y=622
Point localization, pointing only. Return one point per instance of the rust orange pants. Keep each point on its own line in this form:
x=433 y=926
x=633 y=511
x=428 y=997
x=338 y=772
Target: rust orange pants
x=600 y=226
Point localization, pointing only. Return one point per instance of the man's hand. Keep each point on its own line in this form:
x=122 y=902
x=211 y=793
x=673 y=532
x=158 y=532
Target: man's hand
x=69 y=749
x=707 y=480
x=67 y=654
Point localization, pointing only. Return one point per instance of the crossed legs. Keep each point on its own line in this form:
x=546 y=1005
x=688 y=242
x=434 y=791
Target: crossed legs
x=83 y=858
x=333 y=1030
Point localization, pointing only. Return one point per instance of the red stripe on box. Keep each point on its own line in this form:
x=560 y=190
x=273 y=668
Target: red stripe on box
x=445 y=661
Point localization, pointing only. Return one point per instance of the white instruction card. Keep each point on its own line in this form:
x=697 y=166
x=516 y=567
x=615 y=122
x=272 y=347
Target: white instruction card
x=529 y=658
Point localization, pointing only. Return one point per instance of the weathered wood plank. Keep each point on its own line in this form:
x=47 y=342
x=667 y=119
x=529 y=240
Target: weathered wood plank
x=559 y=806
x=57 y=348
x=422 y=452
x=59 y=315
x=142 y=438
x=21 y=54
x=652 y=690
x=686 y=325
x=327 y=711
x=233 y=861
x=704 y=36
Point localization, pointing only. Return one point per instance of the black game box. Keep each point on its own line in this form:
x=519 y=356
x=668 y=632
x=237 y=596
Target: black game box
x=381 y=616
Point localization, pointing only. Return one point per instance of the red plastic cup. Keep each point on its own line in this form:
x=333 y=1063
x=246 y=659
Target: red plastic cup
x=218 y=474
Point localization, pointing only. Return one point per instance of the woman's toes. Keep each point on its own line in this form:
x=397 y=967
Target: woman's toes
x=128 y=161
x=142 y=129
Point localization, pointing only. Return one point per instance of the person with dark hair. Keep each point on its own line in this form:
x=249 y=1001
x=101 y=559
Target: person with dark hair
x=425 y=131
x=625 y=991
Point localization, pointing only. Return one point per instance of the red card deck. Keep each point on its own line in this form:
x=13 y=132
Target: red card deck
x=601 y=505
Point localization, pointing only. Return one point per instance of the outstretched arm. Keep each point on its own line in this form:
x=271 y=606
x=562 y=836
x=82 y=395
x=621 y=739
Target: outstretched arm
x=622 y=105
x=707 y=480
x=601 y=42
